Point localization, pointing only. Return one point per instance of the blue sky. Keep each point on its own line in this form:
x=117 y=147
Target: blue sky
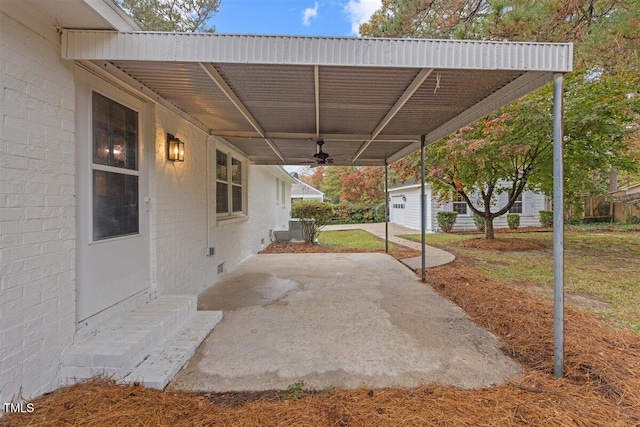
x=293 y=17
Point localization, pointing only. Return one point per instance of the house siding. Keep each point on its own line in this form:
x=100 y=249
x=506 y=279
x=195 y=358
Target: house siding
x=534 y=203
x=37 y=210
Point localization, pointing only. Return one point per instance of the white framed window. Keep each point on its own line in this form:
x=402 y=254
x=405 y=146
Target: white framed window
x=517 y=206
x=460 y=205
x=277 y=191
x=114 y=169
x=230 y=185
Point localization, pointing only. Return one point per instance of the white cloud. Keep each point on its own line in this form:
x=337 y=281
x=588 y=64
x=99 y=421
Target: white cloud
x=360 y=11
x=310 y=12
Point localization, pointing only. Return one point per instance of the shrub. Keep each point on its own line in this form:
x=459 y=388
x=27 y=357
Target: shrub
x=357 y=213
x=379 y=213
x=546 y=218
x=446 y=220
x=633 y=219
x=314 y=214
x=478 y=221
x=513 y=220
x=341 y=215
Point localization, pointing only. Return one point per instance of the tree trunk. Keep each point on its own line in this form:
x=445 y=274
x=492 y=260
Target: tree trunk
x=613 y=179
x=488 y=228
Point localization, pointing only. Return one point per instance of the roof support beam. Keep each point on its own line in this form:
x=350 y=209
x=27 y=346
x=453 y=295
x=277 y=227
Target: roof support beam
x=316 y=84
x=408 y=93
x=230 y=94
x=312 y=136
x=524 y=84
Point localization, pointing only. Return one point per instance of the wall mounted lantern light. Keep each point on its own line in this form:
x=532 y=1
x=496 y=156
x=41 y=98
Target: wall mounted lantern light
x=175 y=148
x=404 y=198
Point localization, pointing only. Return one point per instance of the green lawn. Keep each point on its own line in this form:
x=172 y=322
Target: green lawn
x=352 y=240
x=600 y=266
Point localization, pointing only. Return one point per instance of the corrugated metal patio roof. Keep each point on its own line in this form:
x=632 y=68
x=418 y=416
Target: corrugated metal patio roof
x=273 y=97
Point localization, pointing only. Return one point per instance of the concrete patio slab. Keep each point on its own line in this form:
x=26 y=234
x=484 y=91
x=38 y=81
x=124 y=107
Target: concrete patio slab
x=343 y=320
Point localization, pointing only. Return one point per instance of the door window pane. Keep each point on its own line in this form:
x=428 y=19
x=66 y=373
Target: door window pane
x=115 y=204
x=115 y=133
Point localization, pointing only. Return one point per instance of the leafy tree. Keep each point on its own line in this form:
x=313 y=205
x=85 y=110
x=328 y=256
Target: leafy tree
x=365 y=185
x=530 y=20
x=314 y=177
x=332 y=181
x=482 y=161
x=172 y=15
x=515 y=147
x=349 y=184
x=314 y=215
x=601 y=110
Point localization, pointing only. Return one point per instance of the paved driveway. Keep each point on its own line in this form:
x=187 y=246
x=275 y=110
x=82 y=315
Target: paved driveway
x=343 y=320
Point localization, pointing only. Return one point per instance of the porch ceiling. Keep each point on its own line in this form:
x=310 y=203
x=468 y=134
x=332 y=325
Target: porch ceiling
x=273 y=97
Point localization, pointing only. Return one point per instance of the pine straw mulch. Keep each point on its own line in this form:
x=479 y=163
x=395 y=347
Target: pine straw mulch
x=601 y=387
x=499 y=244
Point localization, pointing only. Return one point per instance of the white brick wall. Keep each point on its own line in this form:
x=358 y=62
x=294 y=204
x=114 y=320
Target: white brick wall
x=37 y=210
x=180 y=215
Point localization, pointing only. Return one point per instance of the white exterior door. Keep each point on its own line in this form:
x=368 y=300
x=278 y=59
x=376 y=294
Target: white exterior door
x=398 y=206
x=112 y=261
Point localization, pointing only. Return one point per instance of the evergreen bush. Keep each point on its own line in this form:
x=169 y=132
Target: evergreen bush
x=314 y=214
x=478 y=221
x=513 y=220
x=357 y=213
x=546 y=218
x=446 y=220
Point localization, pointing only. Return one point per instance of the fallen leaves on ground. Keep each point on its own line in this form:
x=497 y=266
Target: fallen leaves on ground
x=498 y=244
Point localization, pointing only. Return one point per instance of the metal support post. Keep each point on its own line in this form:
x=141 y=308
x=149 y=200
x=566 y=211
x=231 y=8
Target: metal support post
x=386 y=208
x=558 y=227
x=422 y=212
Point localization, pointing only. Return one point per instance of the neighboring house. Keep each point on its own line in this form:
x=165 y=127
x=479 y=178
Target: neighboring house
x=404 y=209
x=94 y=219
x=626 y=202
x=302 y=191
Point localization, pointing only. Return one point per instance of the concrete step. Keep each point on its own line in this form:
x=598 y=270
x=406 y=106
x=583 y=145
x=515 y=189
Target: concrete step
x=166 y=360
x=118 y=349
